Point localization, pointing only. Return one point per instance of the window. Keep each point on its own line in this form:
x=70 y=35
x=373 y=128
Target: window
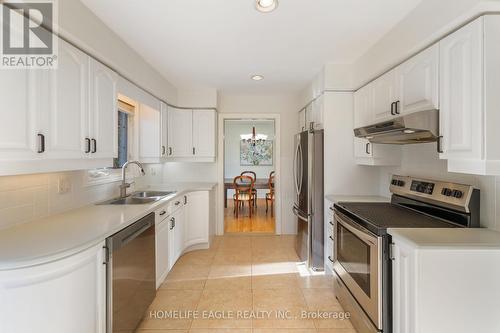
x=122 y=140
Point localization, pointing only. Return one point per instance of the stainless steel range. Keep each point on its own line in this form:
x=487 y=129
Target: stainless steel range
x=362 y=264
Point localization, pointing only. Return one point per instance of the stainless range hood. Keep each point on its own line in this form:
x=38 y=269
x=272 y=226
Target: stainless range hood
x=418 y=127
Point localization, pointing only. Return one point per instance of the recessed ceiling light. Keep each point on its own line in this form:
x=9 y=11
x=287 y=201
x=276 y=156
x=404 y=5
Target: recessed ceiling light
x=257 y=77
x=266 y=6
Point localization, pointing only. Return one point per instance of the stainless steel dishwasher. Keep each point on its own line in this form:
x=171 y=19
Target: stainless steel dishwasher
x=131 y=268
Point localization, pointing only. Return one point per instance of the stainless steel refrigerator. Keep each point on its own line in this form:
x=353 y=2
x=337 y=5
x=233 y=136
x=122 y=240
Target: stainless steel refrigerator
x=309 y=202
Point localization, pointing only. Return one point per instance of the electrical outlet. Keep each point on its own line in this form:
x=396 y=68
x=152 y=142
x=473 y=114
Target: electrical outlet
x=63 y=185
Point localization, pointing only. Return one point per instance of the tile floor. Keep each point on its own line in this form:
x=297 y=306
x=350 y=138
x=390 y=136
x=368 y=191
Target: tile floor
x=239 y=276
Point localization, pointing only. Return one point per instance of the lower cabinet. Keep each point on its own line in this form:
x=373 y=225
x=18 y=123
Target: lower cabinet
x=162 y=235
x=176 y=236
x=444 y=288
x=197 y=214
x=67 y=295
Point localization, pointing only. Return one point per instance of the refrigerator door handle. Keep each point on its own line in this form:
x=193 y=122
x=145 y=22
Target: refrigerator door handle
x=301 y=168
x=297 y=213
x=295 y=171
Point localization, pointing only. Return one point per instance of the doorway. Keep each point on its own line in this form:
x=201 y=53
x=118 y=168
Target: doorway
x=249 y=175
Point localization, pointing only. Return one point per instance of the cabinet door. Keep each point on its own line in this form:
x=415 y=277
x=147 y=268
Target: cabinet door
x=179 y=238
x=162 y=235
x=419 y=82
x=383 y=92
x=197 y=218
x=149 y=133
x=461 y=82
x=317 y=112
x=204 y=133
x=362 y=148
x=68 y=295
x=402 y=289
x=362 y=108
x=66 y=115
x=103 y=109
x=164 y=129
x=19 y=111
x=180 y=132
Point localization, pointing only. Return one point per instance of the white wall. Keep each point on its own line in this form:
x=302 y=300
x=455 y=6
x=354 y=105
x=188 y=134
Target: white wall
x=422 y=161
x=78 y=24
x=287 y=107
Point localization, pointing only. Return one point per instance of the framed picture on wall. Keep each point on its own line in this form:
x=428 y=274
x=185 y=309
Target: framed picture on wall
x=258 y=153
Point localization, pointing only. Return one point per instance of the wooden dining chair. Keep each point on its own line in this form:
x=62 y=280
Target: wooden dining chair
x=243 y=186
x=254 y=191
x=270 y=194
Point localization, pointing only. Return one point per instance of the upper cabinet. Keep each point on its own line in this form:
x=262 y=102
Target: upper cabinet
x=164 y=129
x=103 y=111
x=418 y=80
x=383 y=96
x=469 y=117
x=191 y=134
x=66 y=114
x=150 y=131
x=204 y=133
x=180 y=132
x=411 y=87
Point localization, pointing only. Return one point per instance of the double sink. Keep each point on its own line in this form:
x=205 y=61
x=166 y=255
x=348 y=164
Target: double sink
x=139 y=198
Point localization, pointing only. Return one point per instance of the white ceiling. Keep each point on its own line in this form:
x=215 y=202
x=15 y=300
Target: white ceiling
x=216 y=43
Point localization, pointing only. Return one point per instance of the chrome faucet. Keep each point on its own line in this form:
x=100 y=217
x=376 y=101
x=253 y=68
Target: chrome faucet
x=124 y=185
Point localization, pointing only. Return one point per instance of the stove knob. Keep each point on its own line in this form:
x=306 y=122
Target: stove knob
x=458 y=194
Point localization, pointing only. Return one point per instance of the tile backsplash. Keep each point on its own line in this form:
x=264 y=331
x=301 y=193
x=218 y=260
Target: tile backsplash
x=26 y=198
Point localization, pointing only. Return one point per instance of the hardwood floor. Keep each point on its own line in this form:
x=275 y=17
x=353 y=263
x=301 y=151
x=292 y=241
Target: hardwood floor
x=260 y=222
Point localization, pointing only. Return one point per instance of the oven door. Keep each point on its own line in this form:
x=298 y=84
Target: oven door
x=358 y=261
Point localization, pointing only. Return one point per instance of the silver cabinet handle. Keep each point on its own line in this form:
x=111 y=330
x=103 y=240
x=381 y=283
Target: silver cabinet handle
x=330 y=258
x=170 y=151
x=163 y=213
x=440 y=144
x=94 y=146
x=163 y=150
x=177 y=203
x=172 y=224
x=87 y=145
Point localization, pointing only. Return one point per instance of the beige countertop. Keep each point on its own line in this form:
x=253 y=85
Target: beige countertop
x=448 y=238
x=334 y=198
x=64 y=234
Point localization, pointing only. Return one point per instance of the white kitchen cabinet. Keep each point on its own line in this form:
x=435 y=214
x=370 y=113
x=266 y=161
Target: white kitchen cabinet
x=469 y=117
x=362 y=115
x=162 y=248
x=65 y=116
x=317 y=108
x=433 y=286
x=367 y=153
x=103 y=111
x=164 y=129
x=66 y=295
x=191 y=135
x=204 y=133
x=180 y=132
x=383 y=93
x=418 y=80
x=176 y=236
x=197 y=214
x=19 y=112
x=150 y=122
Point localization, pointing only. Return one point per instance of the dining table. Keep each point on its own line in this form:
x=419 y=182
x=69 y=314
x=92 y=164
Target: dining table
x=260 y=184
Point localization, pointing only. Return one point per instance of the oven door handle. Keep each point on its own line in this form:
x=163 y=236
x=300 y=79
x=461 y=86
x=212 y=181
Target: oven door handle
x=357 y=230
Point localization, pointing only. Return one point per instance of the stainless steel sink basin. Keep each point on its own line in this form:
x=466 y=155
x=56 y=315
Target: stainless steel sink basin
x=139 y=198
x=151 y=194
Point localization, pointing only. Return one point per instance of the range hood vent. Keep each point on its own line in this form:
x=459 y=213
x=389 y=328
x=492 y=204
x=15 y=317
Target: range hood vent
x=418 y=127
